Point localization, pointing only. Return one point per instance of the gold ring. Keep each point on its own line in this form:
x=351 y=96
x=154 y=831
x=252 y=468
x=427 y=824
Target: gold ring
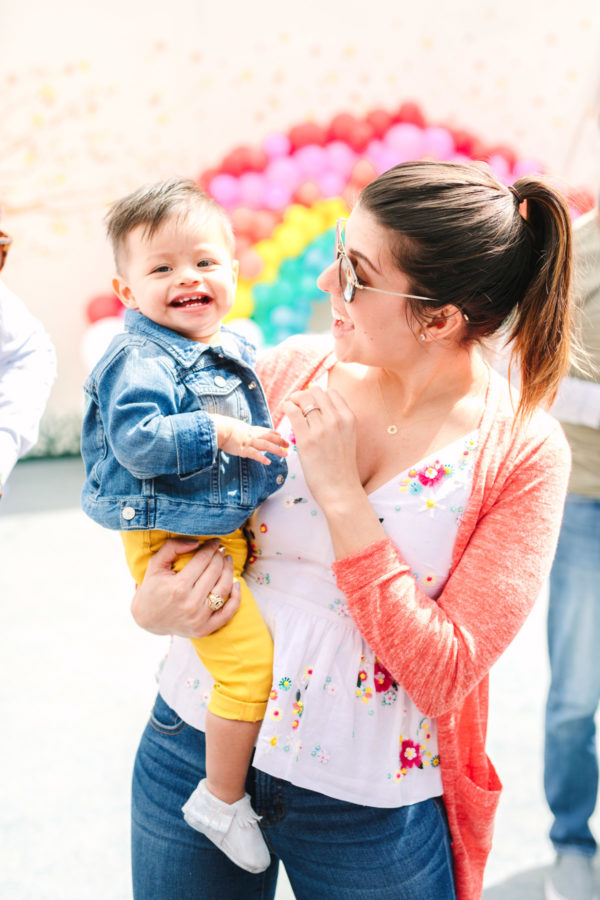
x=215 y=601
x=310 y=409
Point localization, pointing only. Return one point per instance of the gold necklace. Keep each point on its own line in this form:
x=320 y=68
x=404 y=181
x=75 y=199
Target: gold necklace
x=391 y=429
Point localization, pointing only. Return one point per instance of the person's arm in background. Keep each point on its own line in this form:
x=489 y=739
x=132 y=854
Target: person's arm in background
x=27 y=372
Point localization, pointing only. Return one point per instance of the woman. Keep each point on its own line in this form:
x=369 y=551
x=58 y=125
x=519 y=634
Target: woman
x=401 y=557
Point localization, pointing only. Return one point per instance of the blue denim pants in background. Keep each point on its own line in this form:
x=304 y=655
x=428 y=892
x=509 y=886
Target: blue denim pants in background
x=332 y=850
x=571 y=759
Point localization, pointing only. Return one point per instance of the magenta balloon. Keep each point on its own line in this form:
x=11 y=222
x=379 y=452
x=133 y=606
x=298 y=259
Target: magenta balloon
x=438 y=142
x=406 y=140
x=311 y=160
x=225 y=189
x=252 y=189
x=284 y=171
x=331 y=184
x=277 y=145
x=340 y=157
x=276 y=196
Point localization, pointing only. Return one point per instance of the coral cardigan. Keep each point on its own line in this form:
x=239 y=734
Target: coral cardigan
x=441 y=651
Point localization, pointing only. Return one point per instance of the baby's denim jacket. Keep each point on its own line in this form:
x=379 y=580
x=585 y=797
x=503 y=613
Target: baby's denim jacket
x=148 y=443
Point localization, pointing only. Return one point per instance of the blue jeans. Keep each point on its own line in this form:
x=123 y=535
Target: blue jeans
x=332 y=850
x=571 y=760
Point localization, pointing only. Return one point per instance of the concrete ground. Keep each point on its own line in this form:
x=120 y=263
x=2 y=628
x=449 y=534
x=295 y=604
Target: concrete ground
x=78 y=684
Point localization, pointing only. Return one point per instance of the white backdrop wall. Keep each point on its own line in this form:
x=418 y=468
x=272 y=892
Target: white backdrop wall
x=97 y=98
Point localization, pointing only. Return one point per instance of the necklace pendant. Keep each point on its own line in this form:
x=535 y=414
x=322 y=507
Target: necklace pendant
x=392 y=429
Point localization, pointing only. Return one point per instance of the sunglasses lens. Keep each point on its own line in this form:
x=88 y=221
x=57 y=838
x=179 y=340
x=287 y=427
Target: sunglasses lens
x=346 y=280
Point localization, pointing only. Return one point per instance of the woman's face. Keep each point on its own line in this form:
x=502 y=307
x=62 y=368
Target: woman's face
x=374 y=329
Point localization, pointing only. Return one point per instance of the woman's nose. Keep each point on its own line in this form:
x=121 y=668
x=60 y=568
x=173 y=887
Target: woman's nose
x=328 y=280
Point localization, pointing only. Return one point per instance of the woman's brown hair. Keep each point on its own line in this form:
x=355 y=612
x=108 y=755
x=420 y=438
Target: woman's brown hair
x=501 y=255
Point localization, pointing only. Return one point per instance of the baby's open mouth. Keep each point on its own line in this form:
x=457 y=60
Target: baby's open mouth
x=186 y=302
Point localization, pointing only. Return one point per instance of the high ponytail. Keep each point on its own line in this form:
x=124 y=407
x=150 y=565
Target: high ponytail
x=459 y=237
x=541 y=322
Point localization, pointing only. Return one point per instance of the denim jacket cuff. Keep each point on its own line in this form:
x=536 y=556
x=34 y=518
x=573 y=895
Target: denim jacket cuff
x=195 y=442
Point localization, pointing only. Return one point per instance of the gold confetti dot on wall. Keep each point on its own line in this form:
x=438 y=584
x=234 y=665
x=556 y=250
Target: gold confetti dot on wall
x=59 y=226
x=47 y=92
x=350 y=50
x=427 y=43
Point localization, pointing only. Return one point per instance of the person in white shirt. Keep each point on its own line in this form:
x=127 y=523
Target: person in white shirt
x=27 y=372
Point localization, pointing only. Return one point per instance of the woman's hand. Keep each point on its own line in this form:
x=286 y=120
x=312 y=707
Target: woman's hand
x=325 y=430
x=169 y=602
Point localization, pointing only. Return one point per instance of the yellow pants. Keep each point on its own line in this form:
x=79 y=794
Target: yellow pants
x=239 y=656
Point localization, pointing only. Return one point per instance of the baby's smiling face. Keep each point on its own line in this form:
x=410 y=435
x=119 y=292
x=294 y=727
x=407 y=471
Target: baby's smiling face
x=182 y=276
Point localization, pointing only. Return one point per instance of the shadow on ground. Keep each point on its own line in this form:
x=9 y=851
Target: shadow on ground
x=526 y=885
x=41 y=485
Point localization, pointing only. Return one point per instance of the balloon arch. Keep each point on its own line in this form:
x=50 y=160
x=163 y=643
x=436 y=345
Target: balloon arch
x=285 y=196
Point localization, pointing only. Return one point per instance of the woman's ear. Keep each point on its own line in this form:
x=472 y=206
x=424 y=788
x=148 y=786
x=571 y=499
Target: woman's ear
x=124 y=292
x=444 y=323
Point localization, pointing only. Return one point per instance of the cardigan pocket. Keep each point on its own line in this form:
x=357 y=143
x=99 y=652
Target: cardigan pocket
x=477 y=809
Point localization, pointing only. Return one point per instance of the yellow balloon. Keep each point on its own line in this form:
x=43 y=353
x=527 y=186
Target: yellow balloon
x=290 y=239
x=243 y=306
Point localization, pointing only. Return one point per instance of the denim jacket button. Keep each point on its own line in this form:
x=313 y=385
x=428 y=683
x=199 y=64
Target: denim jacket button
x=220 y=381
x=280 y=479
x=128 y=513
x=251 y=385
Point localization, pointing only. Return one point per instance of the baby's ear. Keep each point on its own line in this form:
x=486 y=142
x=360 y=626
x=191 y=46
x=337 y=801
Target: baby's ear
x=124 y=292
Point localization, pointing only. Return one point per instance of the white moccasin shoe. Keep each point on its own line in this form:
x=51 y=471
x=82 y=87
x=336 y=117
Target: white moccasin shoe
x=232 y=827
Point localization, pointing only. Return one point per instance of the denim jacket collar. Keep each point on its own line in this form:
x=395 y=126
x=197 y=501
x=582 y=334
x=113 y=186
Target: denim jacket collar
x=187 y=352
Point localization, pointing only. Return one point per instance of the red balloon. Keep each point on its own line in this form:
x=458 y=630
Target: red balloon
x=411 y=112
x=204 y=179
x=360 y=136
x=257 y=159
x=237 y=161
x=341 y=126
x=380 y=121
x=463 y=140
x=306 y=133
x=103 y=306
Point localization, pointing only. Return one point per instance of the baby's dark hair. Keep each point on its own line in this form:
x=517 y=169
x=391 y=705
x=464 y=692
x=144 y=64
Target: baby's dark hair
x=152 y=204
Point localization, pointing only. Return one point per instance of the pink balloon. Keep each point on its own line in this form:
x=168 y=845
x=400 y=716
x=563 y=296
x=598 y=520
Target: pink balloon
x=252 y=189
x=284 y=171
x=340 y=157
x=500 y=167
x=438 y=142
x=276 y=196
x=225 y=189
x=386 y=159
x=311 y=160
x=526 y=166
x=331 y=183
x=406 y=140
x=276 y=145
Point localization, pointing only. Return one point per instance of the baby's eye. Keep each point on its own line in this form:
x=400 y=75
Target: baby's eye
x=203 y=263
x=164 y=268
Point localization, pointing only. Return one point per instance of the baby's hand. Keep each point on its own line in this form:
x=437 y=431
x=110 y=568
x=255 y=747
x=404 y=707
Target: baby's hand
x=251 y=441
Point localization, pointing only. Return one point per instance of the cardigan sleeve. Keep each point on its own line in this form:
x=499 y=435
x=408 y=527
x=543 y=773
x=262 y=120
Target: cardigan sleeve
x=439 y=650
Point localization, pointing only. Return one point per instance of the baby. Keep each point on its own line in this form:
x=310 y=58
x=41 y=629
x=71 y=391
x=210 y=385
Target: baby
x=177 y=439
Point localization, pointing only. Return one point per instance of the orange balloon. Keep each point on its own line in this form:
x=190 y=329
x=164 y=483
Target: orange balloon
x=251 y=264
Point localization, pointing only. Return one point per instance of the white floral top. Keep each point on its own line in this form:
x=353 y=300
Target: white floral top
x=337 y=722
